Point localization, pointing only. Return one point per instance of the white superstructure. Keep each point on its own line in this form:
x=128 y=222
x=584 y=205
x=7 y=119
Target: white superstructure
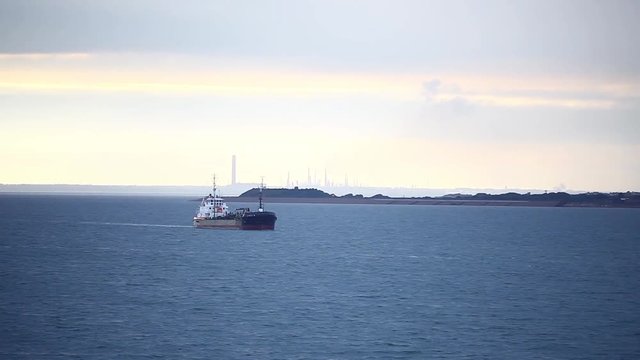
x=212 y=206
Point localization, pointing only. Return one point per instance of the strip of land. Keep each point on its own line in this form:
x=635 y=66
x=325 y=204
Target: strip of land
x=555 y=199
x=628 y=199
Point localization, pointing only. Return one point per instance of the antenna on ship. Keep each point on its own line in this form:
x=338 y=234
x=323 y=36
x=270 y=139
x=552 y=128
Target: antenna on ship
x=215 y=209
x=260 y=208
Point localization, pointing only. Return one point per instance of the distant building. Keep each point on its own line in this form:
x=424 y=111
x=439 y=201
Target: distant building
x=233 y=169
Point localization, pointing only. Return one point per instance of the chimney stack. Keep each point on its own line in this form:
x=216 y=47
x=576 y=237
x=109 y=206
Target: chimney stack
x=233 y=169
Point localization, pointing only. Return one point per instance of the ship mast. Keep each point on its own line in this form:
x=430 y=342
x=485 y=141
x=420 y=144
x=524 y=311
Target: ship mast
x=260 y=208
x=215 y=196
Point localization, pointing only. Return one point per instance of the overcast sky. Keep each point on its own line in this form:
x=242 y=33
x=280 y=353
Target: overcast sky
x=485 y=94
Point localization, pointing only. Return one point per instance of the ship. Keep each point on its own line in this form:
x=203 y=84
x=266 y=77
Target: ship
x=214 y=214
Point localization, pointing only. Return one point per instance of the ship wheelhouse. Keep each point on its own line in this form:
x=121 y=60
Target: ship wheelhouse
x=212 y=206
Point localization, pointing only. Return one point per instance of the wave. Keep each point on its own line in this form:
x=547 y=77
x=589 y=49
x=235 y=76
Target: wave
x=134 y=224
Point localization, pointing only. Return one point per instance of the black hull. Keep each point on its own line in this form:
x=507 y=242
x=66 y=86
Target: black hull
x=256 y=220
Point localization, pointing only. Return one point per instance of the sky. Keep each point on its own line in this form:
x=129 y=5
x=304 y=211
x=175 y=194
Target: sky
x=426 y=94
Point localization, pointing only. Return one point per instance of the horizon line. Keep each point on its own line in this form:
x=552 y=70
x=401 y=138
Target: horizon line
x=309 y=186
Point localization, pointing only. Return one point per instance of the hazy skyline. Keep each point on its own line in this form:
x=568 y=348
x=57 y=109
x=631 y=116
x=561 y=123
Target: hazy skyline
x=522 y=94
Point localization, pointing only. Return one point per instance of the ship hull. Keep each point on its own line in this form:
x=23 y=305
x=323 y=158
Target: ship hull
x=262 y=220
x=216 y=223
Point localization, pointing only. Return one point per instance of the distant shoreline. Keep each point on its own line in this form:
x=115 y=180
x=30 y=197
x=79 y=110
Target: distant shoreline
x=546 y=199
x=301 y=196
x=423 y=202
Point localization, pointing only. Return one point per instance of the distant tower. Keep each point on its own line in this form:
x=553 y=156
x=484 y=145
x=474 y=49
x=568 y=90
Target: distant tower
x=233 y=169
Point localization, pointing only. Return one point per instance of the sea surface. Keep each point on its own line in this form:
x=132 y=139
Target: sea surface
x=90 y=277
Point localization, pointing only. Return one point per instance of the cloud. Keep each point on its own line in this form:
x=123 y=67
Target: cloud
x=43 y=56
x=445 y=105
x=532 y=125
x=406 y=35
x=171 y=74
x=438 y=92
x=431 y=88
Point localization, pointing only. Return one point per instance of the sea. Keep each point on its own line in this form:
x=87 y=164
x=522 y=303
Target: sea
x=110 y=277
